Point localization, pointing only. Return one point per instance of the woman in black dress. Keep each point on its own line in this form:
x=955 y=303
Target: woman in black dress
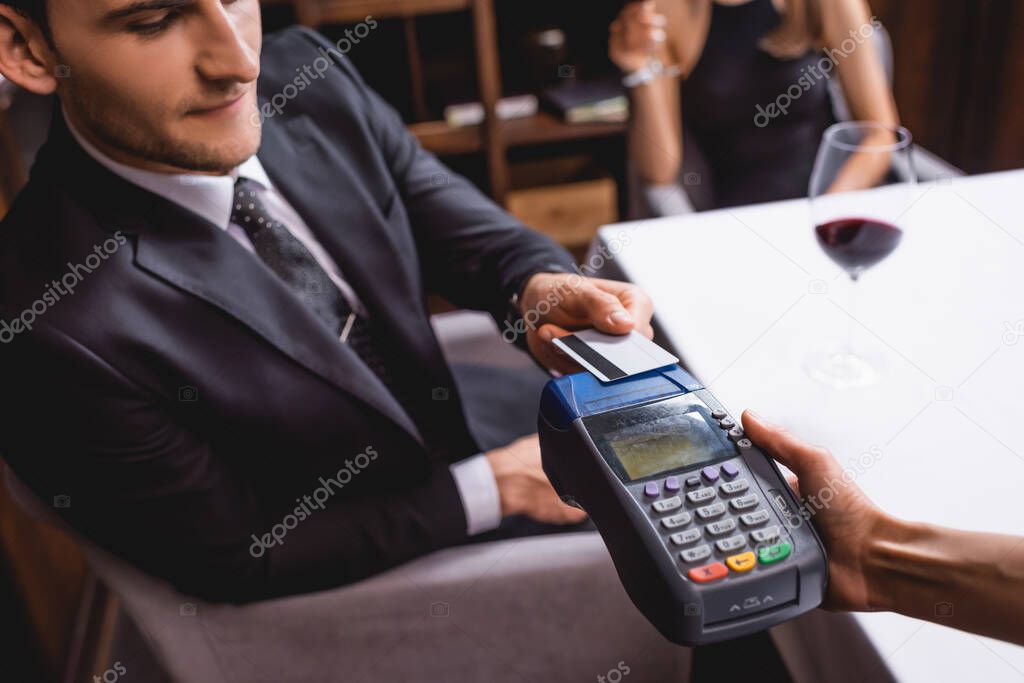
x=746 y=80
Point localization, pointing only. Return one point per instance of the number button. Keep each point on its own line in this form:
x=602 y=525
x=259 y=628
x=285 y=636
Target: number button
x=743 y=502
x=667 y=504
x=755 y=518
x=676 y=521
x=765 y=535
x=701 y=495
x=738 y=486
x=701 y=552
x=709 y=511
x=685 y=537
x=709 y=572
x=721 y=527
x=727 y=545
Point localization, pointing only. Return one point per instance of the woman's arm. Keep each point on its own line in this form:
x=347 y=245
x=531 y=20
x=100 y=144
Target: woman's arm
x=864 y=83
x=643 y=30
x=967 y=580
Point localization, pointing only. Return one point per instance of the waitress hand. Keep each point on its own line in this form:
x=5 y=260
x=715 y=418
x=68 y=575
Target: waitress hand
x=636 y=36
x=846 y=519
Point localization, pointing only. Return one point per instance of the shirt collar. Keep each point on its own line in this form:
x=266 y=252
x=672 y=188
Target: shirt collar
x=210 y=197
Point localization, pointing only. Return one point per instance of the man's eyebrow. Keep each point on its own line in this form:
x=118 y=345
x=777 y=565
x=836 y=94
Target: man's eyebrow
x=143 y=6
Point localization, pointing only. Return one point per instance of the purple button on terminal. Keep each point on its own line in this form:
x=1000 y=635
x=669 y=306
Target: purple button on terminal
x=672 y=484
x=651 y=489
x=710 y=473
x=730 y=470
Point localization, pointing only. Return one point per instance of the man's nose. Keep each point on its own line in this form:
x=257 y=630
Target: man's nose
x=225 y=54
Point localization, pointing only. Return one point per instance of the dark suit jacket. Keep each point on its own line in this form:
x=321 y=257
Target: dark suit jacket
x=184 y=400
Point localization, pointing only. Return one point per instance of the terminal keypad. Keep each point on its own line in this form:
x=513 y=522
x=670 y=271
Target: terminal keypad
x=715 y=522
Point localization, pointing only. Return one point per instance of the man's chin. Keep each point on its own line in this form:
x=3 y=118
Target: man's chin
x=218 y=142
x=224 y=151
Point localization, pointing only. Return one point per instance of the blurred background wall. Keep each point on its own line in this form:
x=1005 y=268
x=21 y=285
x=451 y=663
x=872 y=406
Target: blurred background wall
x=959 y=77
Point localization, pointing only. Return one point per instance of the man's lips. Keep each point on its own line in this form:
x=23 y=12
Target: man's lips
x=225 y=107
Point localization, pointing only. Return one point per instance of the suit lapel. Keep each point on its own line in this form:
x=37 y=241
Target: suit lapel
x=375 y=257
x=200 y=258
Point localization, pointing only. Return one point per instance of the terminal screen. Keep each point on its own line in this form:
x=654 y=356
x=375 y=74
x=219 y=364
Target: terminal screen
x=665 y=444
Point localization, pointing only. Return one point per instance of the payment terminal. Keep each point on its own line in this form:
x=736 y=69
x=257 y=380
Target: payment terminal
x=705 y=534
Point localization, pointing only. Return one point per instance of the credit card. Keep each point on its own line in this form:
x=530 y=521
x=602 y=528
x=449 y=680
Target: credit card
x=610 y=357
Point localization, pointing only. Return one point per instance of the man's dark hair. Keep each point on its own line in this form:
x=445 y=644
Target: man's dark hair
x=34 y=10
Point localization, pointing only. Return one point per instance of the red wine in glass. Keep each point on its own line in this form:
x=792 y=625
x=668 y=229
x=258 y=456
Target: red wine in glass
x=863 y=177
x=857 y=243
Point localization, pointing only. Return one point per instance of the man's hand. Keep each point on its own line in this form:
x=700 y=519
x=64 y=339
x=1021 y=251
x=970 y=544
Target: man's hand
x=524 y=488
x=553 y=304
x=848 y=524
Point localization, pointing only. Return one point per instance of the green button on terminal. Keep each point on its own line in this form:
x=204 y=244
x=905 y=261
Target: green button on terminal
x=774 y=553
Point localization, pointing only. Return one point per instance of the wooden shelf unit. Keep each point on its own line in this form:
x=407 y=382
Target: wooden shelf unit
x=493 y=138
x=540 y=128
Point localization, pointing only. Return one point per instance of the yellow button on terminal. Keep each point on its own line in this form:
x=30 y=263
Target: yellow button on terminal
x=742 y=562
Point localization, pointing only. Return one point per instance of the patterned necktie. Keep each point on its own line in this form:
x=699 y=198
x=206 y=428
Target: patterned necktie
x=295 y=265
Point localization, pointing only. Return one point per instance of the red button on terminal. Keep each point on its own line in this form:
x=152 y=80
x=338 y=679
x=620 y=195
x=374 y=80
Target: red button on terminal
x=709 y=572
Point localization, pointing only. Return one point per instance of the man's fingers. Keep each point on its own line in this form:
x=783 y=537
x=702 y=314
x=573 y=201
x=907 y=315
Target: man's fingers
x=550 y=332
x=634 y=300
x=640 y=306
x=550 y=356
x=605 y=311
x=573 y=515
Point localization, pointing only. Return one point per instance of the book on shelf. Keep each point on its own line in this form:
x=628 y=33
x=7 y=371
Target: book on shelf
x=588 y=102
x=472 y=113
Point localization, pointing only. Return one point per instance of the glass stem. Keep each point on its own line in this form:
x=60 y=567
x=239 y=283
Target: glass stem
x=851 y=310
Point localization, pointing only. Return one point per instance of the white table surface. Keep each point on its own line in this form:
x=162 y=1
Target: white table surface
x=739 y=295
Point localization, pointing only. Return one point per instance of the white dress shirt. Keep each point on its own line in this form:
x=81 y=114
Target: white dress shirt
x=212 y=197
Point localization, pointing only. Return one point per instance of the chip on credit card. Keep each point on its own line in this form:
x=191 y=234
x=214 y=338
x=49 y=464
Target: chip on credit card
x=611 y=357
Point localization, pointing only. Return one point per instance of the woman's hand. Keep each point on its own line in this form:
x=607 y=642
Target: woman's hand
x=637 y=35
x=848 y=522
x=879 y=562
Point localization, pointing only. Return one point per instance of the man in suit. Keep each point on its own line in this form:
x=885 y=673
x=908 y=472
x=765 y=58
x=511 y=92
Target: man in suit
x=213 y=338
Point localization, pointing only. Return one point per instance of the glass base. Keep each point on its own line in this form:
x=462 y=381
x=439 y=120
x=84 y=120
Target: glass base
x=840 y=368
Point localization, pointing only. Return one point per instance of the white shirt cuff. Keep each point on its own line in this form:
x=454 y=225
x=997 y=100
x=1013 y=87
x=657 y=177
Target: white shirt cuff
x=478 y=490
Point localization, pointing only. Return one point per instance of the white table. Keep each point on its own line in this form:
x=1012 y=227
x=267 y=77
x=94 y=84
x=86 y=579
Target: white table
x=744 y=294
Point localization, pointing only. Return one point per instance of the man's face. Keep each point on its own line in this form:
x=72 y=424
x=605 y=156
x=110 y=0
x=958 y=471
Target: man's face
x=168 y=85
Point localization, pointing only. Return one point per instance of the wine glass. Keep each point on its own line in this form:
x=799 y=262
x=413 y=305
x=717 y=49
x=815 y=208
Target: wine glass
x=862 y=185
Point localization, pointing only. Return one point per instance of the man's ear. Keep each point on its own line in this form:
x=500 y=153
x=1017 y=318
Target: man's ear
x=26 y=56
